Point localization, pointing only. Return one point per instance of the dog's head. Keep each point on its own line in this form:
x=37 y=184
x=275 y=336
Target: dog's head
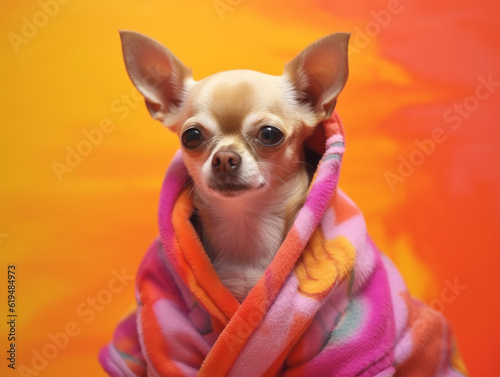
x=241 y=131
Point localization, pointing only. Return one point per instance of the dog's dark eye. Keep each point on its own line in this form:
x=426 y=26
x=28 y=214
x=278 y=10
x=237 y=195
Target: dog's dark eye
x=192 y=138
x=270 y=136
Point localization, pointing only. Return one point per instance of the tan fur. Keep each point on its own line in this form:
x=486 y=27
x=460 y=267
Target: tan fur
x=231 y=104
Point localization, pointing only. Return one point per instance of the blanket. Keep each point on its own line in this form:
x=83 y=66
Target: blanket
x=329 y=304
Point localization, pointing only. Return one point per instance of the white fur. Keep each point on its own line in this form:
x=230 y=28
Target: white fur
x=241 y=235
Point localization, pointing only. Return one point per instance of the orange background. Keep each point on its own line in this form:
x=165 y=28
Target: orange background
x=411 y=63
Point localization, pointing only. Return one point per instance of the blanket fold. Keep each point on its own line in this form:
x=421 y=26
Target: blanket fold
x=329 y=304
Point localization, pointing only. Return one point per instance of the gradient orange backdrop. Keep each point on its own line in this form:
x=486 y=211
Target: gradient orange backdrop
x=417 y=67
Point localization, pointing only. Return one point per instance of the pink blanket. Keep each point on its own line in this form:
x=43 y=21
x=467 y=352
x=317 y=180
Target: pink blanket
x=330 y=304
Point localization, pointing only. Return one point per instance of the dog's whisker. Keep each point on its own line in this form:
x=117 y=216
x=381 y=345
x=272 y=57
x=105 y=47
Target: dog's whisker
x=192 y=189
x=275 y=165
x=278 y=178
x=306 y=164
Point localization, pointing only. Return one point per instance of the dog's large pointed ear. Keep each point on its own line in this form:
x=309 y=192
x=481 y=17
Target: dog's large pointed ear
x=320 y=72
x=158 y=74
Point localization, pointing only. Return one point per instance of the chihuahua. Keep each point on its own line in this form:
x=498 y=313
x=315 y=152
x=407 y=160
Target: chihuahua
x=242 y=136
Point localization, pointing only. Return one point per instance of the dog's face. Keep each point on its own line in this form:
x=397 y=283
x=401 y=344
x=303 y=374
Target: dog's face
x=241 y=131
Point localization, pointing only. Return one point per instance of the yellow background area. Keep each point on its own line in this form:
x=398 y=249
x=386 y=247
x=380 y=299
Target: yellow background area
x=82 y=162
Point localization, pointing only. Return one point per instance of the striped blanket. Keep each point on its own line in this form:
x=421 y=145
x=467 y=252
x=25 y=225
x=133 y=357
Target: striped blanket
x=329 y=304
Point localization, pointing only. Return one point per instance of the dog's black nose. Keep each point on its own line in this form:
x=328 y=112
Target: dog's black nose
x=226 y=161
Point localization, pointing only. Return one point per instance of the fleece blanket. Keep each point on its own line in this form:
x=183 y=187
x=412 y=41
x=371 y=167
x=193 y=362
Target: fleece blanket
x=329 y=304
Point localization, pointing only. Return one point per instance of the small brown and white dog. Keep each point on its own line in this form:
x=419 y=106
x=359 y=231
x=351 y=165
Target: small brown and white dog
x=242 y=134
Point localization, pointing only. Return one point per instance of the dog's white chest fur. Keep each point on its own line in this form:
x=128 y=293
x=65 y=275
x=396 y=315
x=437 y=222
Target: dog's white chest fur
x=241 y=242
